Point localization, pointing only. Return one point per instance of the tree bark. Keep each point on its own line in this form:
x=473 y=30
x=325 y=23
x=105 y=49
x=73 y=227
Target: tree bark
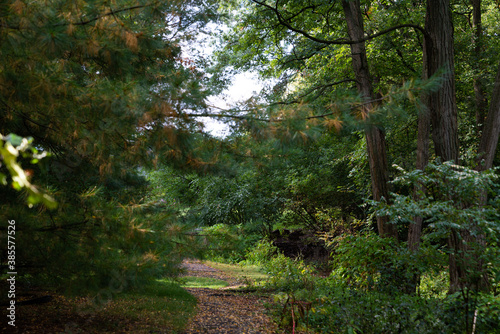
x=442 y=105
x=479 y=90
x=415 y=229
x=491 y=130
x=423 y=134
x=375 y=138
x=486 y=154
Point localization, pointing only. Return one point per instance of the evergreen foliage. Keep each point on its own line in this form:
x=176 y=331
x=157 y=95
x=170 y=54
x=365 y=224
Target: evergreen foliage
x=105 y=89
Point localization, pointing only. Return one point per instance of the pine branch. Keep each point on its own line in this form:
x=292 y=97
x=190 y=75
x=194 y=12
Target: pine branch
x=82 y=23
x=245 y=117
x=275 y=120
x=110 y=13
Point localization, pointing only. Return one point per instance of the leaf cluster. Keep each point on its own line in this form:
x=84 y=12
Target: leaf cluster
x=13 y=147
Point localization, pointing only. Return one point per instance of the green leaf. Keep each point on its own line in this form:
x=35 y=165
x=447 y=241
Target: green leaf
x=14 y=139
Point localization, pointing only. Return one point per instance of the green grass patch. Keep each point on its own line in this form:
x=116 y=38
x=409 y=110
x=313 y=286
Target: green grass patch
x=202 y=282
x=249 y=273
x=160 y=304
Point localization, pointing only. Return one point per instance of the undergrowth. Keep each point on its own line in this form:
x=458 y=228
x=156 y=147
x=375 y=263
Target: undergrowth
x=369 y=289
x=360 y=299
x=362 y=296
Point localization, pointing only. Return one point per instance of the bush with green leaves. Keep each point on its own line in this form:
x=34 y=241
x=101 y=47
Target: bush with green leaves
x=288 y=275
x=227 y=243
x=328 y=305
x=370 y=262
x=459 y=204
x=364 y=292
x=261 y=253
x=340 y=310
x=245 y=199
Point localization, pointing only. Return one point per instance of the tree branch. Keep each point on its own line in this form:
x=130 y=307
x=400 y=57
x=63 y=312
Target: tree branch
x=267 y=120
x=337 y=41
x=276 y=120
x=320 y=87
x=82 y=23
x=110 y=13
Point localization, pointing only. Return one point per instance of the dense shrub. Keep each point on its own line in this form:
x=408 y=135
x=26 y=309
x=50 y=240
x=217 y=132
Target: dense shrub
x=227 y=243
x=360 y=296
x=349 y=310
x=288 y=275
x=261 y=253
x=370 y=262
x=326 y=305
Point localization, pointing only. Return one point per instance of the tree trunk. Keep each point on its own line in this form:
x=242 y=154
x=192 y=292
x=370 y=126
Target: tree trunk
x=423 y=134
x=424 y=130
x=479 y=91
x=375 y=138
x=486 y=154
x=440 y=55
x=491 y=130
x=442 y=107
x=415 y=229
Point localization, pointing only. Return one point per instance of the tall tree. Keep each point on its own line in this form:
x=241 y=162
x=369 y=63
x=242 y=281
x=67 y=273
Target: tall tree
x=375 y=138
x=442 y=104
x=104 y=88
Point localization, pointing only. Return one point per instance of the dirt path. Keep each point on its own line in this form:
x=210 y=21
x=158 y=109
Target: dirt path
x=225 y=311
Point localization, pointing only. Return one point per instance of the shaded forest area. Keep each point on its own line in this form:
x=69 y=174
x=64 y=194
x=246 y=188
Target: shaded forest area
x=370 y=158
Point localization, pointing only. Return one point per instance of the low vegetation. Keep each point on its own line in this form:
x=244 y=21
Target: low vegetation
x=358 y=297
x=202 y=282
x=159 y=305
x=156 y=307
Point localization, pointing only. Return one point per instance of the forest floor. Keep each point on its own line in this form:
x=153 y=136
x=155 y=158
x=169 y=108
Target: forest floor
x=225 y=310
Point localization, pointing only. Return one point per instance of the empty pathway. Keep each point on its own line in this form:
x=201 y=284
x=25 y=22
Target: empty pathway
x=225 y=311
